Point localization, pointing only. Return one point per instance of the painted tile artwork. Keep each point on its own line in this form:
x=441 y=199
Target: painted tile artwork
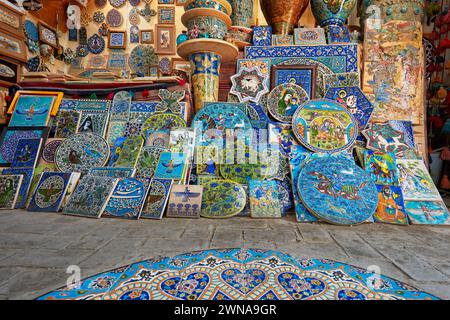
x=301 y=75
x=355 y=101
x=49 y=151
x=238 y=274
x=50 y=192
x=348 y=79
x=383 y=137
x=427 y=212
x=10 y=138
x=382 y=167
x=27 y=153
x=324 y=126
x=281 y=134
x=158 y=139
x=93 y=123
x=262 y=36
x=9 y=190
x=416 y=182
x=127 y=198
x=391 y=207
x=112 y=172
x=32 y=111
x=171 y=166
x=148 y=161
x=338 y=34
x=223 y=199
x=183 y=141
x=347 y=194
x=25 y=187
x=66 y=123
x=284 y=100
x=185 y=201
x=157 y=198
x=207 y=160
x=264 y=199
x=89 y=197
x=129 y=153
x=81 y=152
x=309 y=36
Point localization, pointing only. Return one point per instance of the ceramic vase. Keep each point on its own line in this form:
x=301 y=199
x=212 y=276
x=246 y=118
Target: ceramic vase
x=283 y=15
x=332 y=12
x=205 y=77
x=242 y=14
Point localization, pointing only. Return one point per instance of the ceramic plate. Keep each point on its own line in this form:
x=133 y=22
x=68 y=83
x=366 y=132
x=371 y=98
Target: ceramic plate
x=81 y=152
x=337 y=191
x=324 y=126
x=284 y=100
x=223 y=199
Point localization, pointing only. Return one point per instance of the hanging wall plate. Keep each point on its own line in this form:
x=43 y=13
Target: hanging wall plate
x=96 y=44
x=114 y=18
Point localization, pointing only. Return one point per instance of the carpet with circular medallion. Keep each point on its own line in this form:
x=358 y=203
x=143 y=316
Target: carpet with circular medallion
x=238 y=274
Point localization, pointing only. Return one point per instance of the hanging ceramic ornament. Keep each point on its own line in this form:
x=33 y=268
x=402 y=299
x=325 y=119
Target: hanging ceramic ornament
x=134 y=17
x=141 y=58
x=30 y=30
x=103 y=30
x=82 y=50
x=165 y=66
x=85 y=19
x=83 y=36
x=32 y=5
x=117 y=3
x=147 y=13
x=134 y=3
x=100 y=3
x=99 y=17
x=96 y=44
x=33 y=64
x=114 y=18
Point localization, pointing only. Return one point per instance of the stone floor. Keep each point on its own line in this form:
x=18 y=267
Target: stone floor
x=37 y=248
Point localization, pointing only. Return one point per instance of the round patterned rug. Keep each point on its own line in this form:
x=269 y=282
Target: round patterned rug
x=237 y=274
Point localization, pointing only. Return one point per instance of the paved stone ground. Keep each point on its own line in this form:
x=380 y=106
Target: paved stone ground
x=36 y=248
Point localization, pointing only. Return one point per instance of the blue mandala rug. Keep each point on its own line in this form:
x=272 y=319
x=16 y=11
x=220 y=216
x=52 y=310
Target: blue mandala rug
x=238 y=274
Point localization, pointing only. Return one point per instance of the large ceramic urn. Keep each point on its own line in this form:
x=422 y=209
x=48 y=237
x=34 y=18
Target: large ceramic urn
x=332 y=12
x=283 y=15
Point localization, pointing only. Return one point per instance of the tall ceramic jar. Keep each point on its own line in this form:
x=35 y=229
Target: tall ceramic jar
x=242 y=15
x=283 y=15
x=332 y=12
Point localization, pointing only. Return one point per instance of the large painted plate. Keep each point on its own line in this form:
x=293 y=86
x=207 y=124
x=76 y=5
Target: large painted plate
x=337 y=191
x=81 y=152
x=284 y=100
x=223 y=199
x=324 y=125
x=222 y=116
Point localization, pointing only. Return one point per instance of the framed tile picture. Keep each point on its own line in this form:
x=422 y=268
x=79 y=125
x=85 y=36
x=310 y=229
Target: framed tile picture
x=165 y=39
x=9 y=71
x=11 y=19
x=13 y=47
x=166 y=15
x=117 y=39
x=47 y=35
x=45 y=100
x=303 y=75
x=147 y=36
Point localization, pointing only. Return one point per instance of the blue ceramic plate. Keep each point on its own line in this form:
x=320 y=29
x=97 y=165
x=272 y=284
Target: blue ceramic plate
x=337 y=191
x=324 y=125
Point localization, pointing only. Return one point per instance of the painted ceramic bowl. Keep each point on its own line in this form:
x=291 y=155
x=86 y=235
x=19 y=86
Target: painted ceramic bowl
x=221 y=5
x=207 y=24
x=334 y=12
x=283 y=15
x=239 y=34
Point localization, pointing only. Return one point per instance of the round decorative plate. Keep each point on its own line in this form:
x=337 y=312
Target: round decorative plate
x=81 y=152
x=117 y=3
x=31 y=30
x=114 y=18
x=96 y=44
x=82 y=50
x=324 y=126
x=134 y=3
x=100 y=3
x=222 y=116
x=142 y=57
x=223 y=199
x=337 y=191
x=163 y=122
x=49 y=191
x=6 y=71
x=284 y=100
x=99 y=17
x=165 y=65
x=134 y=17
x=48 y=154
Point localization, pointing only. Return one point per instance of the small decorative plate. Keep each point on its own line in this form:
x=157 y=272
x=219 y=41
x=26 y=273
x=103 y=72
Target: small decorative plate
x=223 y=199
x=99 y=17
x=31 y=30
x=96 y=44
x=222 y=116
x=165 y=66
x=117 y=3
x=284 y=100
x=250 y=84
x=114 y=18
x=142 y=57
x=355 y=101
x=82 y=50
x=81 y=152
x=134 y=3
x=163 y=122
x=134 y=17
x=324 y=126
x=337 y=191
